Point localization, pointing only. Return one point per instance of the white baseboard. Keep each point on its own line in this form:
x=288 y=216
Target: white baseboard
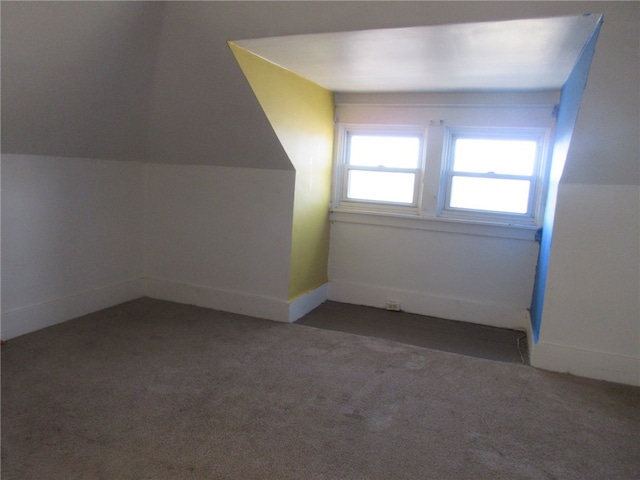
x=465 y=310
x=35 y=317
x=302 y=305
x=586 y=363
x=226 y=300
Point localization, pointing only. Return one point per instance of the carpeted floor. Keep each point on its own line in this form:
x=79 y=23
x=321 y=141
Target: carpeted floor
x=463 y=338
x=157 y=390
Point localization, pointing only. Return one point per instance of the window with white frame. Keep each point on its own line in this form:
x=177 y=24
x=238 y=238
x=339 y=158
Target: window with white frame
x=381 y=167
x=493 y=174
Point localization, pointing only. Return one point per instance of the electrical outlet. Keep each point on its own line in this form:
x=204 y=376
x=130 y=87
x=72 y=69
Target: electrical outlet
x=392 y=305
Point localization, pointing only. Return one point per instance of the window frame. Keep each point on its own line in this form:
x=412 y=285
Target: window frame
x=535 y=204
x=528 y=116
x=341 y=179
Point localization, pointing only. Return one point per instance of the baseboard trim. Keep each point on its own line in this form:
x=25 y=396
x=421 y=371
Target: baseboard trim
x=586 y=363
x=231 y=301
x=28 y=319
x=35 y=317
x=302 y=305
x=451 y=308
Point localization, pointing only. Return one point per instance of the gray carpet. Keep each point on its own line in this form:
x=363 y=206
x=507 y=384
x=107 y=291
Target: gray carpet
x=464 y=338
x=156 y=390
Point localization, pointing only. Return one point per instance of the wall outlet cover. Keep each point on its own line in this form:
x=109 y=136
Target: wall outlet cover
x=392 y=305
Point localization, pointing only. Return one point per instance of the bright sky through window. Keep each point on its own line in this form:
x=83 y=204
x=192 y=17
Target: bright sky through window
x=383 y=168
x=508 y=196
x=381 y=186
x=492 y=174
x=384 y=151
x=506 y=157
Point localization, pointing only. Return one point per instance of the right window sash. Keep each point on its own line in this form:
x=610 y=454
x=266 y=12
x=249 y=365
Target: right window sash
x=494 y=173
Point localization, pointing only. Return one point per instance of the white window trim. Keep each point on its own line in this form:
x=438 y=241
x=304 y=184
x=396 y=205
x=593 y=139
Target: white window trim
x=533 y=216
x=339 y=197
x=437 y=224
x=429 y=214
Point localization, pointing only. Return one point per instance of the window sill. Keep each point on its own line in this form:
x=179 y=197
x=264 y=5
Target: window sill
x=438 y=224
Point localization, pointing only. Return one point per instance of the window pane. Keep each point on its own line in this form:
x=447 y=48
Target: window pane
x=506 y=157
x=381 y=186
x=496 y=195
x=384 y=151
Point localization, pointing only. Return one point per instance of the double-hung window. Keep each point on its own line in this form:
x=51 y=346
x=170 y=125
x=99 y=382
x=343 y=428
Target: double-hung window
x=381 y=167
x=482 y=165
x=493 y=173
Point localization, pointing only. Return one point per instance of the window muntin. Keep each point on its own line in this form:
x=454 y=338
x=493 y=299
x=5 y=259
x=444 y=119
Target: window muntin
x=381 y=166
x=493 y=172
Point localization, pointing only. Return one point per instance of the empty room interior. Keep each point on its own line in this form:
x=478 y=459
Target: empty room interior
x=230 y=232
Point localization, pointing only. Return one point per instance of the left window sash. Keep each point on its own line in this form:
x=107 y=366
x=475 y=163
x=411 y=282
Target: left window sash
x=380 y=167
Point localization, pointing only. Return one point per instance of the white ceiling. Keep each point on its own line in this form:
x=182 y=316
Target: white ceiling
x=533 y=54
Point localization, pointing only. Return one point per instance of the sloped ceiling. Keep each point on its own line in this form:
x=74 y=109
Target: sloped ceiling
x=76 y=77
x=156 y=81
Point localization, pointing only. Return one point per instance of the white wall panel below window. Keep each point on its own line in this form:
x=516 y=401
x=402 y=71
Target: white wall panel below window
x=480 y=279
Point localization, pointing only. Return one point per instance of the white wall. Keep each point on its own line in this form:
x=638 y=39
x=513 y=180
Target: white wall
x=79 y=235
x=591 y=323
x=219 y=237
x=71 y=238
x=473 y=278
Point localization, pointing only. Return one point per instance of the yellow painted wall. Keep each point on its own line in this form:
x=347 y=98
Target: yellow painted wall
x=301 y=114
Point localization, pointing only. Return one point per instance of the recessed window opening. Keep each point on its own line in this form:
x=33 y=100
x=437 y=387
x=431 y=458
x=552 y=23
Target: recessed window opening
x=489 y=174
